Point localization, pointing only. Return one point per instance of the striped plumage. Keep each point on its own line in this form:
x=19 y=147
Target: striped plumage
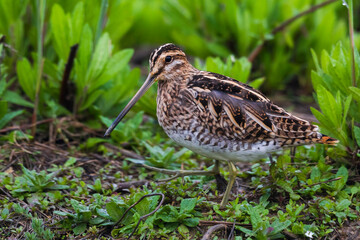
x=217 y=116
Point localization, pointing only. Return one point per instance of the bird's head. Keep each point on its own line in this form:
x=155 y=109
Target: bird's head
x=165 y=62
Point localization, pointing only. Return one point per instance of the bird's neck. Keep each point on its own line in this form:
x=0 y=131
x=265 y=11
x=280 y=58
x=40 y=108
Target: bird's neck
x=175 y=81
x=169 y=91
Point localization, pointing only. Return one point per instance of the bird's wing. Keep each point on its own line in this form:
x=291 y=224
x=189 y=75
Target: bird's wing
x=243 y=111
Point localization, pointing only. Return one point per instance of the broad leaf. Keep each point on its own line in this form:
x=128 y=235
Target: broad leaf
x=187 y=205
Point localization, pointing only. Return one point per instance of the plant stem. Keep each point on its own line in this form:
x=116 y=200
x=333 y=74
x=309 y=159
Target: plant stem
x=64 y=90
x=104 y=6
x=40 y=13
x=351 y=35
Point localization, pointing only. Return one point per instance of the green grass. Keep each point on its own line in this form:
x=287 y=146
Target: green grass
x=65 y=181
x=80 y=194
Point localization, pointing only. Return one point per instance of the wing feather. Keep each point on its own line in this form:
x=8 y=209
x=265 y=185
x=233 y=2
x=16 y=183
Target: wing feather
x=243 y=110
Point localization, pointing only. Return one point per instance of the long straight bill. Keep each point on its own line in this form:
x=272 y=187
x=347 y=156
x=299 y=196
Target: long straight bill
x=147 y=84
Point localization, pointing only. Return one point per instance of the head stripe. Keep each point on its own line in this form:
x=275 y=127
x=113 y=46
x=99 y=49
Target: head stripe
x=164 y=48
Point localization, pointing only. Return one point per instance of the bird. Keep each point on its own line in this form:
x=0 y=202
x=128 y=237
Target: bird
x=217 y=116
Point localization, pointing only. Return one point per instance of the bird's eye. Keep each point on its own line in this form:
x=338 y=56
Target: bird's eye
x=168 y=59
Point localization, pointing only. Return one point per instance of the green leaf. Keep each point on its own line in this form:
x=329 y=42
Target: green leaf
x=91 y=99
x=83 y=57
x=279 y=226
x=27 y=77
x=187 y=205
x=294 y=196
x=357 y=134
x=3 y=108
x=102 y=213
x=346 y=110
x=257 y=82
x=15 y=98
x=71 y=161
x=8 y=117
x=322 y=119
x=354 y=190
x=119 y=61
x=80 y=228
x=96 y=221
x=285 y=185
x=97 y=185
x=246 y=231
x=168 y=214
x=328 y=106
x=345 y=203
x=3 y=84
x=299 y=209
x=60 y=31
x=64 y=214
x=344 y=174
x=77 y=22
x=355 y=93
x=191 y=222
x=92 y=142
x=115 y=212
x=56 y=186
x=115 y=65
x=255 y=216
x=315 y=175
x=183 y=230
x=99 y=58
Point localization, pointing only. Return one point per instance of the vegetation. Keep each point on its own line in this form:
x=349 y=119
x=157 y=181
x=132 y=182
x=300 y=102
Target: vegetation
x=68 y=67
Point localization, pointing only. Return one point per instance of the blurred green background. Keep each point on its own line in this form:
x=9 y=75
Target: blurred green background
x=115 y=38
x=68 y=67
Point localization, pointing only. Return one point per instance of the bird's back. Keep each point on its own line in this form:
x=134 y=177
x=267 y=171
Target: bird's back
x=224 y=119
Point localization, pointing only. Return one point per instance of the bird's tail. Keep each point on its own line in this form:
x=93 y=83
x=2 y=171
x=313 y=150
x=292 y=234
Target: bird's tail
x=326 y=140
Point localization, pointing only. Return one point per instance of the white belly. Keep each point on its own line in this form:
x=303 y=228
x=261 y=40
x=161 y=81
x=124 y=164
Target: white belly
x=234 y=151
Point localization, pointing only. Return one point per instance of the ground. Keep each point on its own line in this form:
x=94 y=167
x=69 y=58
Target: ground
x=76 y=184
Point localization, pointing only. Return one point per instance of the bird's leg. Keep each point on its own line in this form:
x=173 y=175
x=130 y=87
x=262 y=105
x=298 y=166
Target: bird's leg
x=216 y=168
x=292 y=154
x=272 y=172
x=232 y=177
x=220 y=180
x=271 y=159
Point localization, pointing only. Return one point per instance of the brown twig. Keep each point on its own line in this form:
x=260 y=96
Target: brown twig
x=256 y=51
x=126 y=185
x=64 y=91
x=144 y=216
x=211 y=230
x=52 y=148
x=207 y=223
x=284 y=24
x=26 y=126
x=130 y=154
x=327 y=181
x=232 y=231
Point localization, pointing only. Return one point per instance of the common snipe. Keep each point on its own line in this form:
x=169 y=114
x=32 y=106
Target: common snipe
x=217 y=116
